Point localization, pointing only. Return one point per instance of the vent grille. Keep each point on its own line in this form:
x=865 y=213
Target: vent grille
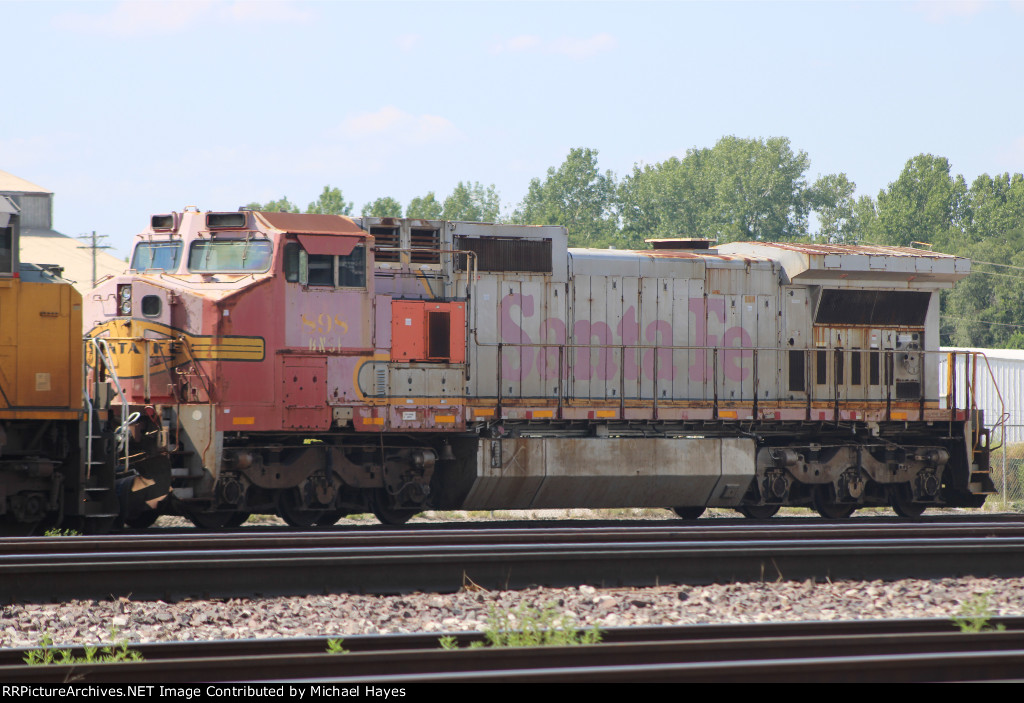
x=505 y=254
x=869 y=307
x=386 y=237
x=425 y=239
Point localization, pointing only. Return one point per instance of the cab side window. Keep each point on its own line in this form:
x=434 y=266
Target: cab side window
x=325 y=270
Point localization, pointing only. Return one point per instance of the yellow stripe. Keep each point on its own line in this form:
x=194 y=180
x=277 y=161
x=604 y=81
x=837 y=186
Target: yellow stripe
x=899 y=416
x=444 y=418
x=483 y=412
x=604 y=413
x=374 y=421
x=243 y=421
x=543 y=413
x=727 y=413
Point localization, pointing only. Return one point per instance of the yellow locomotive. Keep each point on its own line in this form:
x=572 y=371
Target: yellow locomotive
x=56 y=467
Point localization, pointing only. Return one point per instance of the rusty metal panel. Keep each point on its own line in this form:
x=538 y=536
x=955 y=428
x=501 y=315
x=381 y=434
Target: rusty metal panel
x=610 y=472
x=310 y=224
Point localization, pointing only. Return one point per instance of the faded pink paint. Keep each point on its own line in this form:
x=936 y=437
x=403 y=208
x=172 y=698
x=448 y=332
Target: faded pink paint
x=627 y=334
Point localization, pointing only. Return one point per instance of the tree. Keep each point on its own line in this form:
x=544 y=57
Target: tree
x=831 y=198
x=987 y=308
x=471 y=202
x=738 y=189
x=426 y=208
x=576 y=195
x=330 y=202
x=383 y=207
x=923 y=205
x=994 y=206
x=282 y=205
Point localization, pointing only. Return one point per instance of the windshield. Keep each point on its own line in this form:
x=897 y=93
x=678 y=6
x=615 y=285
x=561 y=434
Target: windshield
x=156 y=255
x=230 y=255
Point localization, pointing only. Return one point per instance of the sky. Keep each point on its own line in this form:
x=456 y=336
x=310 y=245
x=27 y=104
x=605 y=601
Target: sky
x=125 y=109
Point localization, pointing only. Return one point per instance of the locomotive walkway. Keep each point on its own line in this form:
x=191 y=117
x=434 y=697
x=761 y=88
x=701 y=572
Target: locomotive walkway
x=870 y=650
x=387 y=561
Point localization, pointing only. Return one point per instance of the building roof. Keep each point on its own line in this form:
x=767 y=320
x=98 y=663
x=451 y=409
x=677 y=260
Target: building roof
x=45 y=246
x=9 y=183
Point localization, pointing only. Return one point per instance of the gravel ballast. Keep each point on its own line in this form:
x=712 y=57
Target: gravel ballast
x=81 y=622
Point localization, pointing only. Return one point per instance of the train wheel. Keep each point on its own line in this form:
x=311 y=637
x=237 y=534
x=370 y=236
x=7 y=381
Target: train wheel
x=825 y=503
x=291 y=510
x=384 y=510
x=689 y=512
x=902 y=500
x=331 y=517
x=216 y=520
x=758 y=512
x=142 y=520
x=238 y=518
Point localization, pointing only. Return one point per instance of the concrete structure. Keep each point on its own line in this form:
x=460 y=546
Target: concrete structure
x=41 y=244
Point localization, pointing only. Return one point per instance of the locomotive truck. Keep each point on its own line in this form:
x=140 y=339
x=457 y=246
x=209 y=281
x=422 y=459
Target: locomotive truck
x=315 y=366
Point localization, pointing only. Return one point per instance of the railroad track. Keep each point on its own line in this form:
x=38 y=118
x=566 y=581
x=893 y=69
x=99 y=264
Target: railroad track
x=396 y=561
x=879 y=650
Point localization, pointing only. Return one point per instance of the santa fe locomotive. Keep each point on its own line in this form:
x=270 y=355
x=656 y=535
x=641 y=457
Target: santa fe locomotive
x=315 y=366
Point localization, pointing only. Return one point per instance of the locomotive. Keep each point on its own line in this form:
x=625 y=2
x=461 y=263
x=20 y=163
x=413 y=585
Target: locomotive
x=315 y=366
x=57 y=464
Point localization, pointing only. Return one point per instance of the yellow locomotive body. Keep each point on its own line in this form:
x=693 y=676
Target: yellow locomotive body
x=44 y=476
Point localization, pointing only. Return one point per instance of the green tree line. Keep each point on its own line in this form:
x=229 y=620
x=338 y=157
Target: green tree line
x=760 y=190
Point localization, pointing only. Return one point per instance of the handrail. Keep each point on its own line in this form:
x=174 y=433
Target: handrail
x=715 y=385
x=207 y=386
x=101 y=349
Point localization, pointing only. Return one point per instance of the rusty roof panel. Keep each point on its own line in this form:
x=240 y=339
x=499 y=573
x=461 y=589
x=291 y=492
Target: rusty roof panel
x=862 y=249
x=310 y=224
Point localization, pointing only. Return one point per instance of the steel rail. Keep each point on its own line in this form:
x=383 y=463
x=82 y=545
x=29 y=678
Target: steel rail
x=239 y=572
x=409 y=536
x=879 y=650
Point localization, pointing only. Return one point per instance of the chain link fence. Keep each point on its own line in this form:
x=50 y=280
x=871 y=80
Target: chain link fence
x=1008 y=467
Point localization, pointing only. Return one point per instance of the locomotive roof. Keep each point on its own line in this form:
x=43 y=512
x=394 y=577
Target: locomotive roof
x=311 y=224
x=834 y=264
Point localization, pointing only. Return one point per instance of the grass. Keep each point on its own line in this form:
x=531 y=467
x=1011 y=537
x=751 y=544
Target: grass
x=334 y=646
x=976 y=615
x=57 y=532
x=525 y=626
x=94 y=654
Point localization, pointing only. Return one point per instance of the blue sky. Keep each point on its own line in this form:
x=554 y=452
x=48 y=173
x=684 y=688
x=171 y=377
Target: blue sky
x=126 y=109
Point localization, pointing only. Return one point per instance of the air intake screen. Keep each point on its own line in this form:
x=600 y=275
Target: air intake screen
x=878 y=308
x=385 y=238
x=499 y=254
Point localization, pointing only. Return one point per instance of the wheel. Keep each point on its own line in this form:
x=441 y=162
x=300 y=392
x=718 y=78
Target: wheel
x=143 y=520
x=238 y=518
x=384 y=510
x=689 y=512
x=330 y=517
x=291 y=510
x=825 y=503
x=216 y=520
x=758 y=512
x=902 y=500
